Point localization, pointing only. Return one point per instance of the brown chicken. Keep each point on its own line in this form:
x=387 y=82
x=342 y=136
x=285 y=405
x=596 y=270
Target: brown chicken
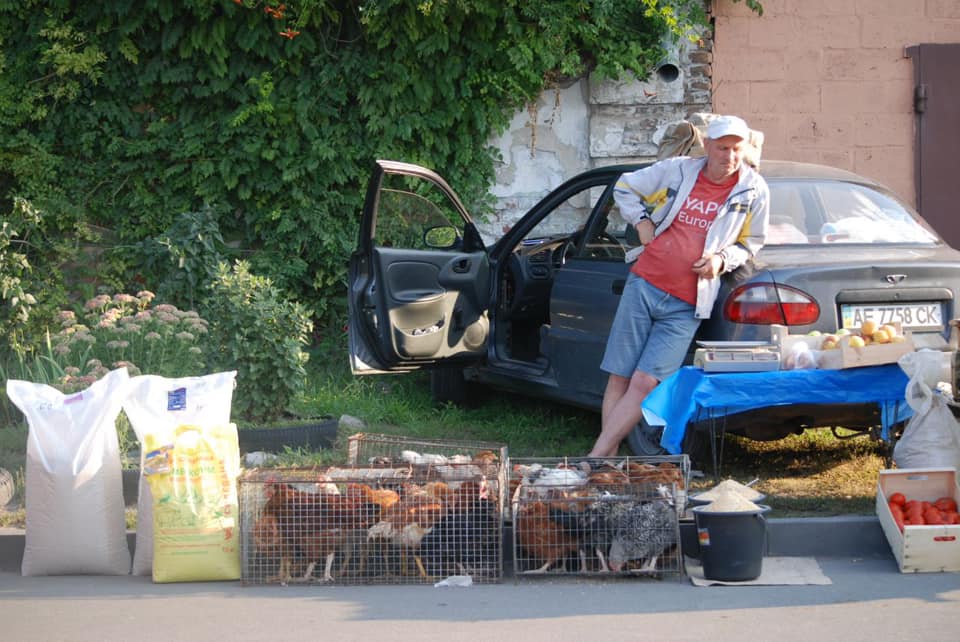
x=663 y=473
x=309 y=526
x=407 y=522
x=541 y=537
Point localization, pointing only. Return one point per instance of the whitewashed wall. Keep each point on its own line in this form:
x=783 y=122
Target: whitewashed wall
x=590 y=124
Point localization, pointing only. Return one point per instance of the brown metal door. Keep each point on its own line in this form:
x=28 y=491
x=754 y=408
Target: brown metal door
x=937 y=105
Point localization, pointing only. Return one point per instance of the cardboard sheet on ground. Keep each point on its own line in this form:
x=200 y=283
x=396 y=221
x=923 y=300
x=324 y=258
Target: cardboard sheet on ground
x=692 y=395
x=777 y=571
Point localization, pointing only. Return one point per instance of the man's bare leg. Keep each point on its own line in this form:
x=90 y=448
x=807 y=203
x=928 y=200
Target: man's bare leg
x=621 y=410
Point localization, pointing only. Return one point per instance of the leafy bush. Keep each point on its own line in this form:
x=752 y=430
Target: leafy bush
x=183 y=259
x=254 y=331
x=122 y=115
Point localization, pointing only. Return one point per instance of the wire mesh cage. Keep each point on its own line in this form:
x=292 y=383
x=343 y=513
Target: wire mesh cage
x=628 y=474
x=424 y=455
x=591 y=516
x=369 y=525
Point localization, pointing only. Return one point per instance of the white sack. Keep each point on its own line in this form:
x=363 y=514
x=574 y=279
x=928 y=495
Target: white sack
x=74 y=494
x=931 y=438
x=928 y=366
x=160 y=405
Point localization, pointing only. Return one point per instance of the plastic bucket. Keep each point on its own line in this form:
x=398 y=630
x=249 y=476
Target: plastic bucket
x=689 y=544
x=731 y=544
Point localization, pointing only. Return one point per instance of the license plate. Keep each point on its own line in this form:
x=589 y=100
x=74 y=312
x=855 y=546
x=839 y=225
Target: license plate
x=912 y=316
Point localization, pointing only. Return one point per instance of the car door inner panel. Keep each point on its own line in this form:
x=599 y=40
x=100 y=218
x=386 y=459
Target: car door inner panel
x=432 y=303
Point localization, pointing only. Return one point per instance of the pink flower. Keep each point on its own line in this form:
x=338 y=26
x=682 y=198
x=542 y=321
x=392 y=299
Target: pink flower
x=97 y=302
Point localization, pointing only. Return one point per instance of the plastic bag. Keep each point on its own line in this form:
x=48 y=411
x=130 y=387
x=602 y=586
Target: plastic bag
x=928 y=366
x=157 y=404
x=931 y=438
x=74 y=494
x=193 y=481
x=801 y=357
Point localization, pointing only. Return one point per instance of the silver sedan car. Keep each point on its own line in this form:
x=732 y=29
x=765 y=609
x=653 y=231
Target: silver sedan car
x=531 y=312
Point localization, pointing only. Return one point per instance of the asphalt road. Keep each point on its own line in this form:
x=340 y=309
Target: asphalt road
x=867 y=600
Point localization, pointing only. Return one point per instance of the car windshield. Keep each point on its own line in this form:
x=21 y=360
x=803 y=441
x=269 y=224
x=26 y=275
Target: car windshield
x=807 y=212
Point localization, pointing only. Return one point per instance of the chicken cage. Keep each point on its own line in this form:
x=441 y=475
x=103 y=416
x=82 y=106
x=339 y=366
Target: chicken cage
x=377 y=524
x=585 y=516
x=423 y=455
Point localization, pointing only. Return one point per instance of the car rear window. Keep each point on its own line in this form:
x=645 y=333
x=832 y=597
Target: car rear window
x=807 y=212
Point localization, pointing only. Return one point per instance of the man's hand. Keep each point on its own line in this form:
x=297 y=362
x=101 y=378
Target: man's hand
x=645 y=230
x=708 y=266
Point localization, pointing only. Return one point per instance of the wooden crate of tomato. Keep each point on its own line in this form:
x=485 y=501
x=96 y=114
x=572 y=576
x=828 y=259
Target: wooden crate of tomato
x=917 y=508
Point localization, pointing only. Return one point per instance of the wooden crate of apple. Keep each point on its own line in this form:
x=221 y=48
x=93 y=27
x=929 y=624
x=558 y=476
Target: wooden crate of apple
x=869 y=345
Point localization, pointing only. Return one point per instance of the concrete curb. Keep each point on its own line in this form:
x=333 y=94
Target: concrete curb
x=847 y=536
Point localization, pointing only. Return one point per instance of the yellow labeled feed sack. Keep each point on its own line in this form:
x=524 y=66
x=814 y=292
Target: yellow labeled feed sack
x=193 y=479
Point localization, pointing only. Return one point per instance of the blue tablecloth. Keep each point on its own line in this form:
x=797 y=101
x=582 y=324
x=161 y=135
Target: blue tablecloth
x=692 y=394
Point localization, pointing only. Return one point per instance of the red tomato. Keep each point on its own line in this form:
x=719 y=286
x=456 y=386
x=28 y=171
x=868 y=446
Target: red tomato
x=897 y=498
x=946 y=503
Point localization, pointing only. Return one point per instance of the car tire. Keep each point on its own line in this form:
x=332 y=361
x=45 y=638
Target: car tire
x=644 y=440
x=448 y=385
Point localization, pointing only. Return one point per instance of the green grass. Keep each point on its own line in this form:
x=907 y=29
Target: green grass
x=814 y=474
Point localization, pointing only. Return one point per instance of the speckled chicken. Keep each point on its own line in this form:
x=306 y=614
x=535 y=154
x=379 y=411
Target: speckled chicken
x=642 y=531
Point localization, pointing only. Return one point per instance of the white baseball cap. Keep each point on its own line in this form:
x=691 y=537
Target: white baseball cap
x=728 y=126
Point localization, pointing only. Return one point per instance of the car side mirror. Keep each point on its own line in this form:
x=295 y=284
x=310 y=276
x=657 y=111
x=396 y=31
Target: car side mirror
x=441 y=237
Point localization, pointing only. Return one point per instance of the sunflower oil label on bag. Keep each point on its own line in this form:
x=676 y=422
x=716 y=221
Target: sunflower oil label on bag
x=193 y=484
x=157 y=406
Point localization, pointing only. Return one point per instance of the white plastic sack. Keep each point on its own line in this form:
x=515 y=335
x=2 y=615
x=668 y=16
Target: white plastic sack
x=159 y=405
x=927 y=366
x=74 y=494
x=931 y=438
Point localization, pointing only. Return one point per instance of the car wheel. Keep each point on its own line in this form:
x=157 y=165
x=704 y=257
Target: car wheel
x=447 y=385
x=644 y=440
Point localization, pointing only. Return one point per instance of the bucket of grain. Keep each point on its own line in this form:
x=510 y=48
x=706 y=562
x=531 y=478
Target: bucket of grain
x=732 y=533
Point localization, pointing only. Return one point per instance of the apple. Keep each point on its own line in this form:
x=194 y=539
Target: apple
x=843 y=332
x=890 y=329
x=856 y=342
x=830 y=343
x=814 y=333
x=897 y=338
x=867 y=328
x=881 y=336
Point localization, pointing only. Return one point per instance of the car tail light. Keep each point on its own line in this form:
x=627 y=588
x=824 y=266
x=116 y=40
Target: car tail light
x=768 y=303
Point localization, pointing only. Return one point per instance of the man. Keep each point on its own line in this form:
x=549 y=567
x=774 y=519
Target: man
x=697 y=218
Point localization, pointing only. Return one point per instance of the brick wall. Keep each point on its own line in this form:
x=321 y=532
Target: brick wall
x=827 y=80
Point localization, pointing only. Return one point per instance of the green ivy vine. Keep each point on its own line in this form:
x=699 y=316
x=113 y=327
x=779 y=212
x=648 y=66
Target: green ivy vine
x=121 y=116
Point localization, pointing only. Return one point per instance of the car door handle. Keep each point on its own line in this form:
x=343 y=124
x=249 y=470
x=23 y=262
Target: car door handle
x=618 y=286
x=461 y=266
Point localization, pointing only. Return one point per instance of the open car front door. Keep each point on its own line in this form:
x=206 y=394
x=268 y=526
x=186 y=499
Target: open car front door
x=419 y=278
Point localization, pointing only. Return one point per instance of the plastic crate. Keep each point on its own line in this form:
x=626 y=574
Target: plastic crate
x=369 y=525
x=920 y=549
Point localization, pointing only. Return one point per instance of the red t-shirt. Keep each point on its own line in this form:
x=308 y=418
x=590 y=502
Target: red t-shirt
x=667 y=261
